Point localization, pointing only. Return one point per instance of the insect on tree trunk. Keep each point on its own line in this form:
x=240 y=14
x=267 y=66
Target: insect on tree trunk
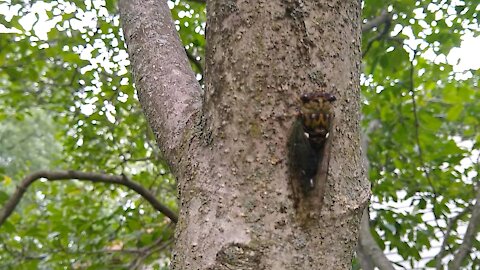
x=228 y=149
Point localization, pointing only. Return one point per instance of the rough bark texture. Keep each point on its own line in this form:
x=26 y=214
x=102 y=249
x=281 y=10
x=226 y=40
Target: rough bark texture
x=166 y=84
x=237 y=208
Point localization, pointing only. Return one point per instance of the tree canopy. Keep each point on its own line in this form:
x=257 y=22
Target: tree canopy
x=67 y=102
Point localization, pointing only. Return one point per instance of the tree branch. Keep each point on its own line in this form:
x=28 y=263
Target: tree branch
x=423 y=166
x=472 y=229
x=370 y=247
x=145 y=252
x=12 y=202
x=367 y=248
x=167 y=88
x=385 y=17
x=197 y=63
x=364 y=259
x=443 y=248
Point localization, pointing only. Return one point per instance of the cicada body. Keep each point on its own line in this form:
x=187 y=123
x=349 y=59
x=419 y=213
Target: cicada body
x=309 y=156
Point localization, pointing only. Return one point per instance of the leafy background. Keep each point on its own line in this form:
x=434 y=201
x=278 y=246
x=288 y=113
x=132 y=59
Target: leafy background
x=67 y=102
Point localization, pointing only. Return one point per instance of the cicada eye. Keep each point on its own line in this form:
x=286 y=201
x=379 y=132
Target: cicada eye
x=331 y=98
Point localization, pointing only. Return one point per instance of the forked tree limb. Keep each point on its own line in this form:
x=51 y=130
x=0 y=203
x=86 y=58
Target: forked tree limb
x=22 y=187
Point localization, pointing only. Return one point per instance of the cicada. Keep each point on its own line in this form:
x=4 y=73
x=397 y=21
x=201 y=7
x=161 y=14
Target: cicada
x=309 y=143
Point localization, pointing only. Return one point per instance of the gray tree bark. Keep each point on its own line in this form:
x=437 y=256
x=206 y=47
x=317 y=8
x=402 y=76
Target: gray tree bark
x=230 y=157
x=368 y=252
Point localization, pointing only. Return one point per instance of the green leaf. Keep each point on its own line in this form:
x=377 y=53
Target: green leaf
x=454 y=112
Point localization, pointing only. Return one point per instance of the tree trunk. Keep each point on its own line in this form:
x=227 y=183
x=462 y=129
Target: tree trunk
x=238 y=208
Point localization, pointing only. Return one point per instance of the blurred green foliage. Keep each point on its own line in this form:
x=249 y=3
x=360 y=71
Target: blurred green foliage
x=421 y=117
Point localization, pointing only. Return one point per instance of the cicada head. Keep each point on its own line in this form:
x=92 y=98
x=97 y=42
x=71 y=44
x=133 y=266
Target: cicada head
x=315 y=115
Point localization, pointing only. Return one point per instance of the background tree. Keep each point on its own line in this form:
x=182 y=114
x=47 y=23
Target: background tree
x=67 y=59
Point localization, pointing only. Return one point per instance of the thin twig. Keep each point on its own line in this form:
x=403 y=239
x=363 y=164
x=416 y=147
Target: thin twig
x=417 y=125
x=417 y=139
x=197 y=63
x=386 y=19
x=443 y=248
x=158 y=245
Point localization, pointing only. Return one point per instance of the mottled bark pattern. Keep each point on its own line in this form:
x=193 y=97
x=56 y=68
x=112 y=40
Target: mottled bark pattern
x=167 y=88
